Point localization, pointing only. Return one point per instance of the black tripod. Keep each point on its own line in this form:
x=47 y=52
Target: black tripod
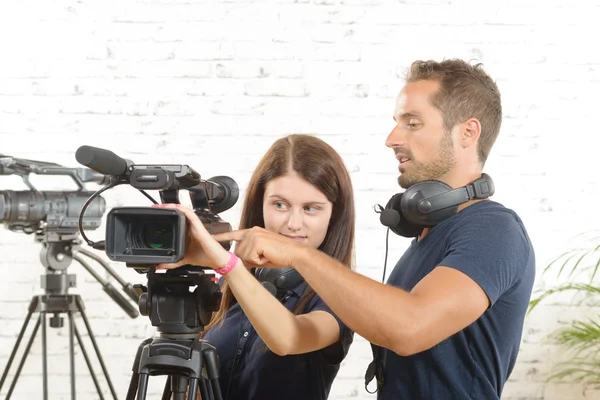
x=56 y=256
x=187 y=364
x=188 y=361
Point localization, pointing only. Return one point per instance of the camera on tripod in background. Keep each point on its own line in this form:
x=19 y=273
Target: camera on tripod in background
x=55 y=218
x=143 y=237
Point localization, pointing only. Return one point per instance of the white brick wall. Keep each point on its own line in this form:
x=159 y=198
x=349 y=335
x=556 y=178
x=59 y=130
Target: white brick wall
x=213 y=83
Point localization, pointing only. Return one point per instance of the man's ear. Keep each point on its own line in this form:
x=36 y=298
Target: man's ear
x=470 y=132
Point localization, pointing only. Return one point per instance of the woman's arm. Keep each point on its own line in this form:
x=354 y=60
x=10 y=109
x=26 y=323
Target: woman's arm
x=283 y=332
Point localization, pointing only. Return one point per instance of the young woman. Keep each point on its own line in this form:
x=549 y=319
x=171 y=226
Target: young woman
x=281 y=347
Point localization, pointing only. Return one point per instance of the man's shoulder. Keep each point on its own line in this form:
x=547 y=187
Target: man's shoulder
x=488 y=213
x=487 y=207
x=490 y=221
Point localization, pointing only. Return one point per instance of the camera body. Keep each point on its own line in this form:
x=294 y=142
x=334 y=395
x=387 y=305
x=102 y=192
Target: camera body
x=55 y=211
x=48 y=213
x=143 y=237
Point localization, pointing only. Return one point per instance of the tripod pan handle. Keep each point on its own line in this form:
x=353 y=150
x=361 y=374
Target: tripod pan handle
x=121 y=300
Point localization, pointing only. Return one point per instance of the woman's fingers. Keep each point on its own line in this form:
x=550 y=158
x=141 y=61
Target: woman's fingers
x=196 y=225
x=203 y=248
x=169 y=265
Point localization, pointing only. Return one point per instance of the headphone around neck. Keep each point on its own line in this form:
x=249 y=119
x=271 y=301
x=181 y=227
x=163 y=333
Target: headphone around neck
x=278 y=281
x=427 y=203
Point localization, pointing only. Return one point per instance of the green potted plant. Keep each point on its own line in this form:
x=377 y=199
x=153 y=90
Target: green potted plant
x=577 y=270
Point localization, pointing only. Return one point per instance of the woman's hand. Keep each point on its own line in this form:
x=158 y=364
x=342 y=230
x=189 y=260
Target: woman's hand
x=203 y=250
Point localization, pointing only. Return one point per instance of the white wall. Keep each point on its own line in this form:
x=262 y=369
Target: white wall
x=213 y=83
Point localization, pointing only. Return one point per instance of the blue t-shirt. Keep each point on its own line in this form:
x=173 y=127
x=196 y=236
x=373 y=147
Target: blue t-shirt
x=249 y=370
x=488 y=243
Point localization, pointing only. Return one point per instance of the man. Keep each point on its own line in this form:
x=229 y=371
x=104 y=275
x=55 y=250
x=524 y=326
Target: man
x=450 y=319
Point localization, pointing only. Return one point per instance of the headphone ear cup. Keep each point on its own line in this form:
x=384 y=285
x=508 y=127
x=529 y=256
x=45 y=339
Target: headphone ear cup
x=407 y=229
x=262 y=275
x=392 y=214
x=393 y=218
x=422 y=190
x=278 y=281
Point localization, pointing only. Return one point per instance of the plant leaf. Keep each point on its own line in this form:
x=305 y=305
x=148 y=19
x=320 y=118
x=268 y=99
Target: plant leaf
x=569 y=286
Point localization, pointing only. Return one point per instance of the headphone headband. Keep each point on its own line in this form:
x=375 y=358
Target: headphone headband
x=427 y=203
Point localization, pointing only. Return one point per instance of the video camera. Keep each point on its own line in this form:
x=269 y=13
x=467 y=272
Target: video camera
x=54 y=213
x=143 y=237
x=56 y=218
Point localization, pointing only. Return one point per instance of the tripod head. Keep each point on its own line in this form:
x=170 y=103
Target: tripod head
x=176 y=311
x=144 y=237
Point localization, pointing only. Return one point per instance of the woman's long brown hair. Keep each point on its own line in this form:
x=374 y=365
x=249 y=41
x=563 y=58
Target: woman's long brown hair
x=319 y=164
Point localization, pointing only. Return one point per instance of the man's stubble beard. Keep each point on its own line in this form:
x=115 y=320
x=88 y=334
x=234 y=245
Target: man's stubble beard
x=432 y=170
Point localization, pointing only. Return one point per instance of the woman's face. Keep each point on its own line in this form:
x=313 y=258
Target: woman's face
x=294 y=208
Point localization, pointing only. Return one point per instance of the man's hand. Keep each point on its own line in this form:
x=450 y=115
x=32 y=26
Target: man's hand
x=258 y=247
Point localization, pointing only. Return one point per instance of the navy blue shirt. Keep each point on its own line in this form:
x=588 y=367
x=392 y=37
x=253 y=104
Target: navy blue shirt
x=488 y=243
x=249 y=370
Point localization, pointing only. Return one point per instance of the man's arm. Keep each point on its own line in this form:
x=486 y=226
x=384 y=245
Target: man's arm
x=443 y=303
x=485 y=255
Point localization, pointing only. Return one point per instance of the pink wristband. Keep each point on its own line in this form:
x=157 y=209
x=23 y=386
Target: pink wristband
x=233 y=259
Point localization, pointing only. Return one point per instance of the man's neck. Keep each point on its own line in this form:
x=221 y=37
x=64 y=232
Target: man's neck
x=459 y=209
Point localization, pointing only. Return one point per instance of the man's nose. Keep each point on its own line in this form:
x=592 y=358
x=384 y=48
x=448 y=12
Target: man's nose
x=396 y=138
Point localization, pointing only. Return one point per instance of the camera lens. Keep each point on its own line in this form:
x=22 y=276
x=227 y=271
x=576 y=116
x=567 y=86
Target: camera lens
x=158 y=236
x=146 y=235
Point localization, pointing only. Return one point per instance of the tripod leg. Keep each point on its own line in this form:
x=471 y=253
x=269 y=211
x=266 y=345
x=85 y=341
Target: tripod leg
x=142 y=387
x=135 y=376
x=216 y=388
x=133 y=382
x=81 y=310
x=44 y=355
x=204 y=391
x=32 y=307
x=89 y=364
x=23 y=358
x=72 y=352
x=178 y=387
x=167 y=390
x=211 y=362
x=192 y=389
